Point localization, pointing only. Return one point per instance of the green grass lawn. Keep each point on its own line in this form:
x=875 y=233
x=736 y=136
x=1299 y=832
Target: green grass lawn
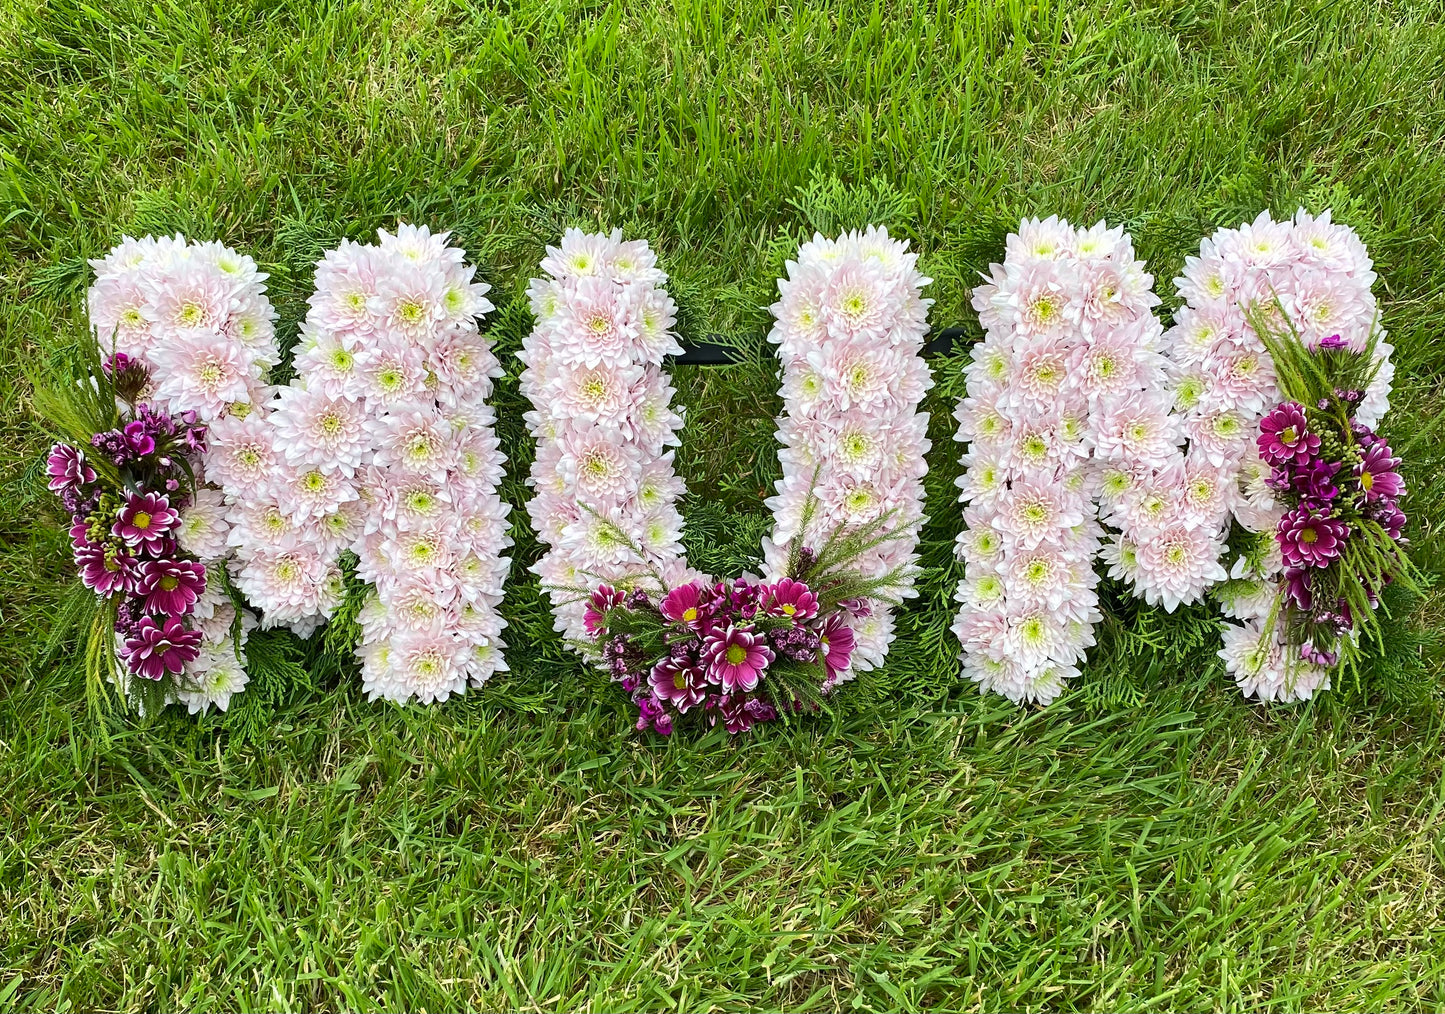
x=1150 y=841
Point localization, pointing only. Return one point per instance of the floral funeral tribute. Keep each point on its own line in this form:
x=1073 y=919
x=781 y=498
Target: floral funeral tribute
x=685 y=646
x=1231 y=459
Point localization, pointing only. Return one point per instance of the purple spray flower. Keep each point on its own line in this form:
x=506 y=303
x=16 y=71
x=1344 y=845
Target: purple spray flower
x=1334 y=341
x=155 y=648
x=1284 y=436
x=736 y=657
x=1316 y=480
x=1318 y=656
x=733 y=710
x=1389 y=516
x=171 y=586
x=1376 y=473
x=1309 y=537
x=1297 y=588
x=139 y=438
x=797 y=643
x=652 y=714
x=145 y=518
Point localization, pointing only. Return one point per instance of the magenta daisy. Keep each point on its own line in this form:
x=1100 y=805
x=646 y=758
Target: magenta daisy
x=171 y=586
x=1310 y=537
x=686 y=604
x=603 y=599
x=66 y=469
x=681 y=683
x=145 y=518
x=736 y=658
x=1284 y=436
x=1376 y=473
x=836 y=642
x=790 y=598
x=156 y=648
x=104 y=570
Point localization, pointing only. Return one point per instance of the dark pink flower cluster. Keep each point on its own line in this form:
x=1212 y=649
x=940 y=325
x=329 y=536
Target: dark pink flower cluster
x=1333 y=475
x=124 y=536
x=718 y=643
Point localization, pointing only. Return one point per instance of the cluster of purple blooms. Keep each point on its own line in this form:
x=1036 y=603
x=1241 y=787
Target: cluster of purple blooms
x=1333 y=474
x=125 y=538
x=720 y=641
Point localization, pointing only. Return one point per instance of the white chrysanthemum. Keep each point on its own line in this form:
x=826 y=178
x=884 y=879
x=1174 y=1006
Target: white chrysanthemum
x=203 y=529
x=325 y=432
x=1177 y=565
x=202 y=373
x=217 y=676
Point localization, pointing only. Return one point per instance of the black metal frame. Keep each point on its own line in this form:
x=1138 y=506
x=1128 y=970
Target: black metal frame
x=705 y=353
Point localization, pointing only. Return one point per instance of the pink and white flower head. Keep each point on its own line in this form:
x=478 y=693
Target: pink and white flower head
x=315 y=429
x=203 y=527
x=241 y=453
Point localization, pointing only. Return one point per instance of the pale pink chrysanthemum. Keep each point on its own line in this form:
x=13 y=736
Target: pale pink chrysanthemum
x=859 y=302
x=1037 y=299
x=1139 y=428
x=597 y=394
x=203 y=529
x=308 y=492
x=346 y=281
x=582 y=254
x=412 y=441
x=1177 y=564
x=329 y=362
x=594 y=325
x=202 y=373
x=1032 y=511
x=241 y=452
x=314 y=429
x=653 y=314
x=602 y=468
x=192 y=298
x=410 y=301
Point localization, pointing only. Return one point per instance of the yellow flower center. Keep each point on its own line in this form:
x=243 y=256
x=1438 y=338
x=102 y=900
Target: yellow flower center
x=736 y=654
x=689 y=614
x=169 y=583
